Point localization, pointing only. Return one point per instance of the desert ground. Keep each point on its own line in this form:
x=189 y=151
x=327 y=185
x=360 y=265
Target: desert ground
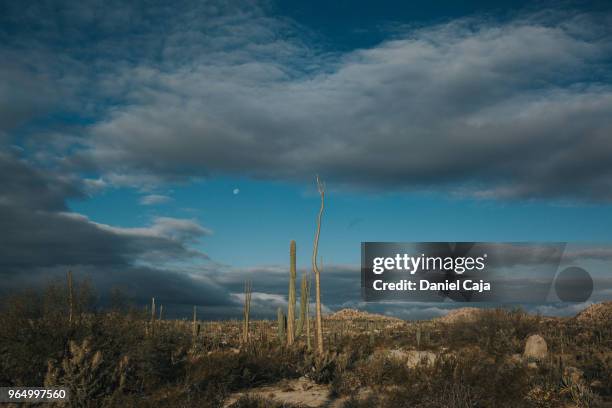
x=468 y=358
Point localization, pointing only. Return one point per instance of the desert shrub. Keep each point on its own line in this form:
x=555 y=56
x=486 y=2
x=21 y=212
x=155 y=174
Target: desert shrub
x=251 y=401
x=84 y=373
x=244 y=368
x=382 y=371
x=35 y=329
x=597 y=368
x=464 y=380
x=355 y=402
x=497 y=331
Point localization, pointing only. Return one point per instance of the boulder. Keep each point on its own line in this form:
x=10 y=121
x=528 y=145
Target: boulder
x=415 y=357
x=535 y=347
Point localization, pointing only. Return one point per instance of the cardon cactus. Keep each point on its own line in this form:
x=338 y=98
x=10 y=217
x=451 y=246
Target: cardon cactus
x=291 y=303
x=280 y=315
x=303 y=305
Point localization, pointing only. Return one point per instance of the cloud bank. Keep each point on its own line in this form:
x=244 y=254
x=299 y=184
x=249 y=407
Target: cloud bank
x=97 y=94
x=517 y=108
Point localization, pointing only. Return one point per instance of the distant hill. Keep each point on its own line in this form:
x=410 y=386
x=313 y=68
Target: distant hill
x=597 y=313
x=463 y=314
x=354 y=314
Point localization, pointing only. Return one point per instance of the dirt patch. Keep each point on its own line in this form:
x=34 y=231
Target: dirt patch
x=300 y=392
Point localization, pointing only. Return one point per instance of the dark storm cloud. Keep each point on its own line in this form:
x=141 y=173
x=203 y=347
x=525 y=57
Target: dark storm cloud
x=38 y=230
x=41 y=239
x=342 y=284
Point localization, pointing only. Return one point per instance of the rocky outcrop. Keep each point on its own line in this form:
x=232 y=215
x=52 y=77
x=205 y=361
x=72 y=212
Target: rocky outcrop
x=461 y=315
x=597 y=313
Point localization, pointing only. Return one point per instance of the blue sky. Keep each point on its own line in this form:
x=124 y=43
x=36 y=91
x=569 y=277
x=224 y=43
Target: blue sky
x=279 y=212
x=178 y=143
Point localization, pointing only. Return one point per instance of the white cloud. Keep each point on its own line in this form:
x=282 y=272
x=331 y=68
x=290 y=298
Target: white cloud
x=155 y=199
x=464 y=104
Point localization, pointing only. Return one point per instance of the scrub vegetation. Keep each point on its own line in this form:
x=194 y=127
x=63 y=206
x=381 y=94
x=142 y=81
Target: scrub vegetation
x=129 y=356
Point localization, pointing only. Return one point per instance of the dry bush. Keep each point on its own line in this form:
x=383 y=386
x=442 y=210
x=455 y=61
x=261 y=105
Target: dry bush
x=497 y=331
x=250 y=401
x=126 y=363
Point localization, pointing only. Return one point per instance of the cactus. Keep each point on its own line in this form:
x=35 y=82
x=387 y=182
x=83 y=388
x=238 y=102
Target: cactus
x=307 y=320
x=317 y=272
x=303 y=305
x=70 y=298
x=280 y=315
x=152 y=315
x=291 y=304
x=161 y=312
x=248 y=290
x=418 y=336
x=194 y=332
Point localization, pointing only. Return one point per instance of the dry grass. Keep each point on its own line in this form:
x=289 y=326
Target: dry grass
x=477 y=360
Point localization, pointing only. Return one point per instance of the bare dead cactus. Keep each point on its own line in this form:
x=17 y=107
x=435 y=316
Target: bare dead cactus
x=317 y=272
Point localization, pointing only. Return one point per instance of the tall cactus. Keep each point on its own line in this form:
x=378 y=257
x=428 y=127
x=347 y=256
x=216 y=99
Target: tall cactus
x=280 y=317
x=70 y=298
x=303 y=305
x=152 y=315
x=307 y=321
x=317 y=272
x=194 y=321
x=248 y=290
x=291 y=304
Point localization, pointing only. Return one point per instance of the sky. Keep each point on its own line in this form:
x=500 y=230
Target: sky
x=170 y=148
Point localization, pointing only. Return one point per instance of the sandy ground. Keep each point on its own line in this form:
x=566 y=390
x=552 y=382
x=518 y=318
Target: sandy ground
x=300 y=391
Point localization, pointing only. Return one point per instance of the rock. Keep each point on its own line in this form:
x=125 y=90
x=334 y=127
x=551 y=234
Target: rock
x=461 y=315
x=412 y=358
x=515 y=358
x=416 y=357
x=535 y=347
